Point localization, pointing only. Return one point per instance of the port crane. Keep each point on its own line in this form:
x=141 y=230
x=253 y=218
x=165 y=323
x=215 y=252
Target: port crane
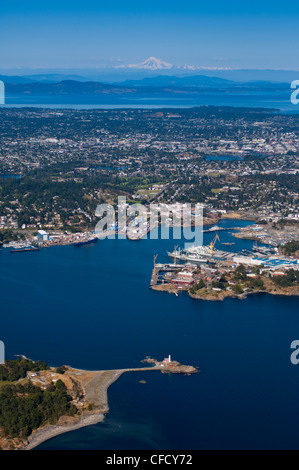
x=212 y=244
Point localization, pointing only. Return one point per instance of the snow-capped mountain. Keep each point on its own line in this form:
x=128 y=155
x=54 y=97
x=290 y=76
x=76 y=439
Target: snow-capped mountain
x=152 y=63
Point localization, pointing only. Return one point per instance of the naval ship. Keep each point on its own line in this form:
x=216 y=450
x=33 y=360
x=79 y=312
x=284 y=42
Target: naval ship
x=200 y=254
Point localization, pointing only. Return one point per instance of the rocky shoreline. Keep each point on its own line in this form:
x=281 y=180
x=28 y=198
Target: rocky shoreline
x=49 y=431
x=219 y=296
x=96 y=392
x=94 y=403
x=223 y=294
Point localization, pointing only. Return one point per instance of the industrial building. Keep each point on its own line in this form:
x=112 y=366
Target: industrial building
x=42 y=235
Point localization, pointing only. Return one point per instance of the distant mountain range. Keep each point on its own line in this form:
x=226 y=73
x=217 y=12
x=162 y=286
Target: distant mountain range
x=142 y=78
x=190 y=81
x=150 y=72
x=14 y=79
x=152 y=64
x=160 y=84
x=41 y=78
x=162 y=80
x=63 y=87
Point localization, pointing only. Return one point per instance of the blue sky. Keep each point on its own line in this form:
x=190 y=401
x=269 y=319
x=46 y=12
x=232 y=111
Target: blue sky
x=64 y=34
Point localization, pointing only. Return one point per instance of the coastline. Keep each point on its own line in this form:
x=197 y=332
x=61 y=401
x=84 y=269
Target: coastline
x=71 y=239
x=222 y=295
x=95 y=386
x=86 y=419
x=50 y=431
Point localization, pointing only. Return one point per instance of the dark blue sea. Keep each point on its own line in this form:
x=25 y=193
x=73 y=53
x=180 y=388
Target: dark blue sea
x=280 y=100
x=91 y=307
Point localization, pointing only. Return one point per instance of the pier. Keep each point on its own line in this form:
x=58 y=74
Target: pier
x=215 y=228
x=154 y=278
x=158 y=268
x=95 y=384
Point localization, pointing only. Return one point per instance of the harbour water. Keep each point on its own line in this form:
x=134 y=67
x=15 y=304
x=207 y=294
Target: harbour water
x=92 y=308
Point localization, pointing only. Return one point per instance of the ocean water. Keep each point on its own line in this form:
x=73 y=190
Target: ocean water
x=91 y=307
x=225 y=158
x=280 y=100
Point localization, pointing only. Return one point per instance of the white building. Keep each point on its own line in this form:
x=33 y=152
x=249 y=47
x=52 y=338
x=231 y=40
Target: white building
x=44 y=236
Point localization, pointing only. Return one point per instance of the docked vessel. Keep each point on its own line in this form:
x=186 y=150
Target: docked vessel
x=25 y=249
x=86 y=242
x=215 y=228
x=263 y=249
x=201 y=254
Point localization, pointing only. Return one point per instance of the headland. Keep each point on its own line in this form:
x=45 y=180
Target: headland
x=88 y=392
